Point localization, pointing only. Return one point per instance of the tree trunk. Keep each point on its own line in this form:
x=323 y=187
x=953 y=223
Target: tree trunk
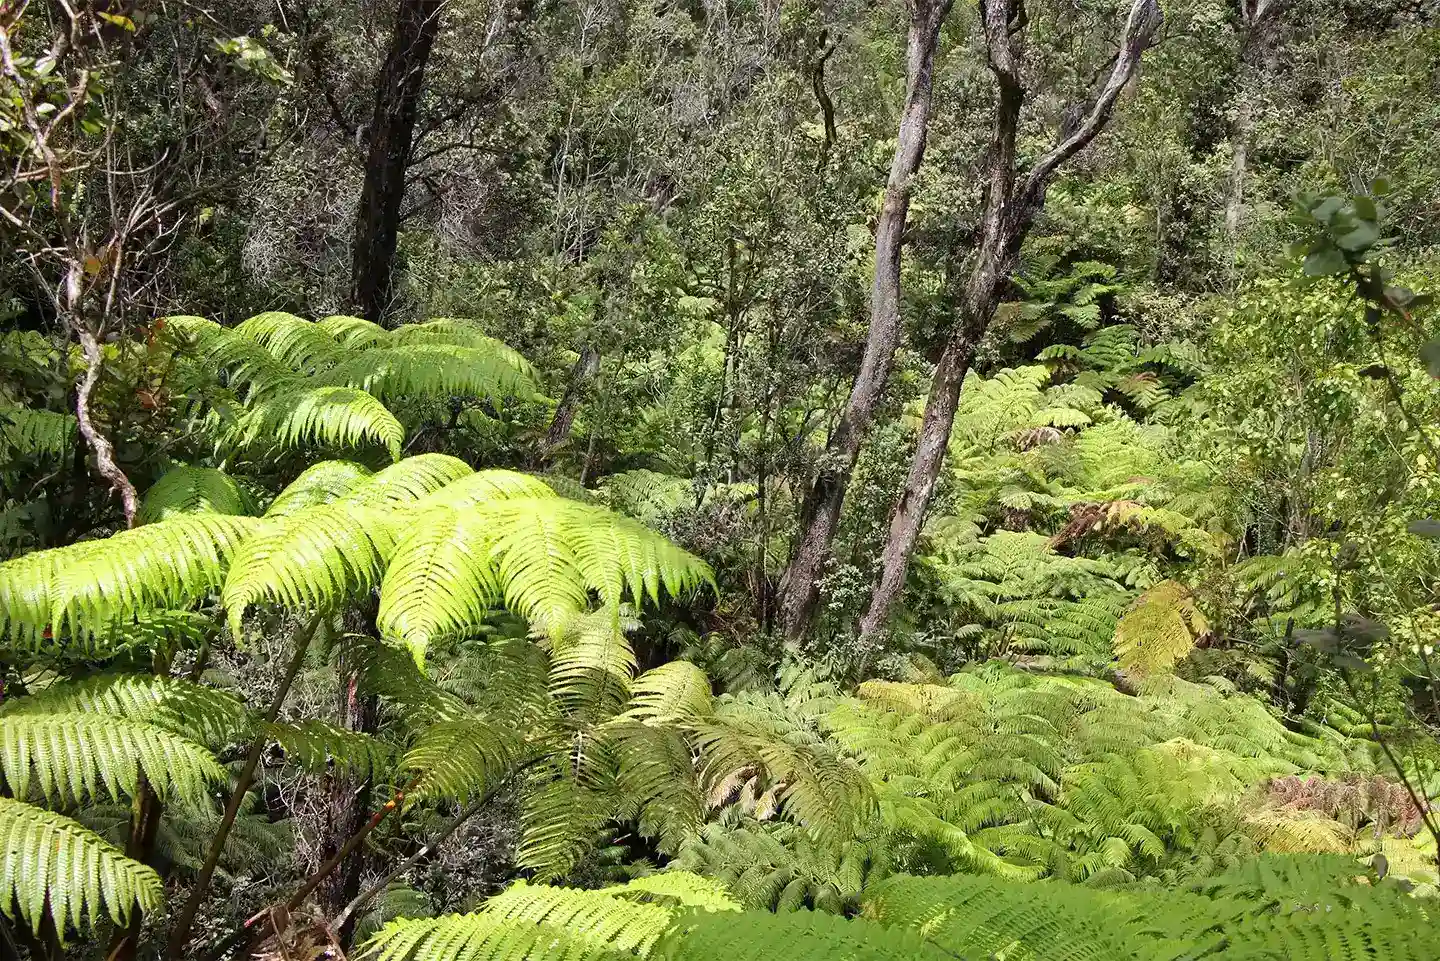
x=820 y=511
x=392 y=130
x=350 y=801
x=586 y=367
x=1011 y=205
x=1256 y=66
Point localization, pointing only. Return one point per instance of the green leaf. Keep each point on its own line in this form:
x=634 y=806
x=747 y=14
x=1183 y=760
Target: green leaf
x=1361 y=237
x=1324 y=262
x=1430 y=357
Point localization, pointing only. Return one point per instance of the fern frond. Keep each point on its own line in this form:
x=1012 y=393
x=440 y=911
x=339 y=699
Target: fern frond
x=72 y=757
x=353 y=332
x=1160 y=628
x=411 y=479
x=245 y=363
x=298 y=343
x=799 y=935
x=181 y=707
x=55 y=867
x=440 y=580
x=561 y=820
x=431 y=370
x=29 y=434
x=192 y=490
x=592 y=662
x=315 y=559
x=674 y=692
x=324 y=416
x=461 y=333
x=470 y=937
x=460 y=760
x=89 y=587
x=318 y=746
x=321 y=483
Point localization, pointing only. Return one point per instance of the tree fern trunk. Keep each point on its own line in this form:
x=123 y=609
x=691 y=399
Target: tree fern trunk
x=391 y=134
x=350 y=801
x=820 y=511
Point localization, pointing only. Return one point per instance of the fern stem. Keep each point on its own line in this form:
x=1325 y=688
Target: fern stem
x=247 y=930
x=480 y=803
x=180 y=934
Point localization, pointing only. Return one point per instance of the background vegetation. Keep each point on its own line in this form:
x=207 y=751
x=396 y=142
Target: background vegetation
x=712 y=479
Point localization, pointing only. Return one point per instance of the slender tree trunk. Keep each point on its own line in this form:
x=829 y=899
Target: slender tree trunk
x=349 y=808
x=1256 y=65
x=1011 y=205
x=391 y=133
x=820 y=510
x=183 y=928
x=586 y=367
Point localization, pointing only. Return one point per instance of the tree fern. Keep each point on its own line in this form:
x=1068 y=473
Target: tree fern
x=317 y=484
x=315 y=558
x=429 y=370
x=294 y=341
x=26 y=433
x=198 y=712
x=460 y=759
x=320 y=746
x=55 y=867
x=802 y=935
x=192 y=490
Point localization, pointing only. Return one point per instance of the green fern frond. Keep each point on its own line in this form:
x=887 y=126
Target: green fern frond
x=182 y=707
x=485 y=486
x=298 y=343
x=592 y=662
x=431 y=370
x=1160 y=628
x=462 y=333
x=440 y=580
x=192 y=490
x=55 y=867
x=89 y=587
x=469 y=937
x=245 y=363
x=674 y=692
x=619 y=923
x=801 y=936
x=324 y=416
x=561 y=819
x=677 y=887
x=319 y=746
x=321 y=483
x=31 y=434
x=312 y=559
x=412 y=479
x=460 y=760
x=647 y=495
x=72 y=757
x=352 y=332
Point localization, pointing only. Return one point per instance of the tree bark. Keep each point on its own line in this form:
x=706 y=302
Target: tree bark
x=391 y=136
x=1011 y=205
x=585 y=369
x=1256 y=18
x=350 y=801
x=820 y=510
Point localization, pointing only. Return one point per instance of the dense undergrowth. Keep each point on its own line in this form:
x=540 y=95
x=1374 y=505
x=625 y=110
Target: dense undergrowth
x=484 y=482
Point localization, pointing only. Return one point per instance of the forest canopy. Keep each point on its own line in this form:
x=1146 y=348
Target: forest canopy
x=684 y=479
